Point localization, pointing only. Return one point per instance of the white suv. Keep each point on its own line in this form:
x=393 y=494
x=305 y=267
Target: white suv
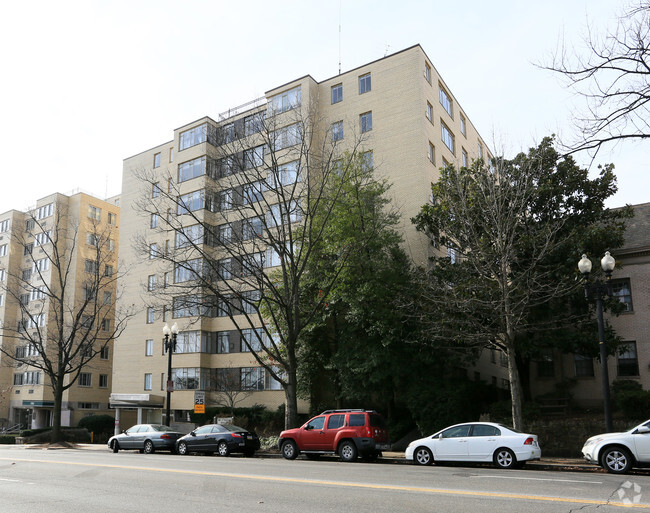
x=619 y=452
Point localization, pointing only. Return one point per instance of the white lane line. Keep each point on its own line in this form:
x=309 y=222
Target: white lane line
x=10 y=480
x=541 y=479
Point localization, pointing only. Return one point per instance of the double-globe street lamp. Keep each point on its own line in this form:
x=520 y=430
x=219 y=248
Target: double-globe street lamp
x=169 y=345
x=597 y=289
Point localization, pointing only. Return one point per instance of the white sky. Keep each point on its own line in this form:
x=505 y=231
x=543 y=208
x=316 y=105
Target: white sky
x=85 y=84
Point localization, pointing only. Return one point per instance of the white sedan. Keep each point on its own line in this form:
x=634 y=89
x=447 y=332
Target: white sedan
x=619 y=452
x=477 y=442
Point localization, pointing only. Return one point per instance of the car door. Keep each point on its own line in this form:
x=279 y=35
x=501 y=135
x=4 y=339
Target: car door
x=482 y=442
x=642 y=442
x=200 y=440
x=313 y=434
x=452 y=444
x=137 y=437
x=332 y=427
x=127 y=440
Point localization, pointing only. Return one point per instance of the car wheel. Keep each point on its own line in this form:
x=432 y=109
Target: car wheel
x=182 y=448
x=505 y=458
x=115 y=446
x=223 y=449
x=616 y=460
x=290 y=450
x=422 y=456
x=148 y=447
x=348 y=451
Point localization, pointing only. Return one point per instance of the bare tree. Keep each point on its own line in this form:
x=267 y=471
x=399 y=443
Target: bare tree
x=229 y=390
x=613 y=79
x=65 y=303
x=243 y=241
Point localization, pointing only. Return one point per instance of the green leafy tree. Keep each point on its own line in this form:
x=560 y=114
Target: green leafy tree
x=514 y=231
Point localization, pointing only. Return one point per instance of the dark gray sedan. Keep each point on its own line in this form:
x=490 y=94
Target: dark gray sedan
x=223 y=439
x=146 y=438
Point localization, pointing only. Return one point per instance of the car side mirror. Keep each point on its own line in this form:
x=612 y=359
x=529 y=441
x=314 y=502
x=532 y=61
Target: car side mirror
x=440 y=436
x=307 y=428
x=192 y=433
x=643 y=429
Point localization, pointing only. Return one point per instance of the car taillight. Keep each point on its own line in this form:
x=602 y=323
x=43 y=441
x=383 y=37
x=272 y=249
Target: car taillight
x=236 y=435
x=166 y=437
x=529 y=441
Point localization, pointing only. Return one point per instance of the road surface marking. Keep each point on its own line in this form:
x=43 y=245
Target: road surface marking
x=434 y=491
x=539 y=479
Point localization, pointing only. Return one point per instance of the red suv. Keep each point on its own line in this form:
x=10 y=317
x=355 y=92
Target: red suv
x=348 y=433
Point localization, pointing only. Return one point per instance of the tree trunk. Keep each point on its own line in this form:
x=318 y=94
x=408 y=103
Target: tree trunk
x=290 y=404
x=516 y=395
x=56 y=415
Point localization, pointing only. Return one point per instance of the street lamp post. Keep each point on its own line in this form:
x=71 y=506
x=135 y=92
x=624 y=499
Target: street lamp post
x=169 y=345
x=597 y=289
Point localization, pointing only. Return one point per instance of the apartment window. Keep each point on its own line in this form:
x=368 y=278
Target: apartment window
x=26 y=275
x=4 y=226
x=103 y=381
x=252 y=378
x=191 y=169
x=463 y=125
x=103 y=354
x=94 y=213
x=286 y=174
x=429 y=113
x=147 y=381
x=2 y=299
x=432 y=153
x=480 y=150
x=367 y=161
x=108 y=271
x=3 y=250
x=148 y=347
x=189 y=270
x=224 y=268
x=253 y=227
x=337 y=131
x=253 y=192
x=41 y=265
x=150 y=315
x=108 y=298
x=584 y=366
x=545 y=364
x=448 y=138
x=250 y=300
x=286 y=137
x=627 y=360
x=190 y=202
x=28 y=249
x=189 y=236
x=91 y=267
x=253 y=123
x=155 y=190
x=154 y=221
x=151 y=282
x=365 y=120
x=42 y=213
x=621 y=290
x=337 y=93
x=41 y=239
x=106 y=325
x=223 y=342
x=446 y=101
x=228 y=133
x=166 y=280
x=192 y=137
x=171 y=154
x=463 y=152
x=427 y=72
x=225 y=200
x=85 y=379
x=365 y=84
x=254 y=157
x=156 y=160
x=29 y=225
x=252 y=340
x=285 y=101
x=452 y=255
x=112 y=218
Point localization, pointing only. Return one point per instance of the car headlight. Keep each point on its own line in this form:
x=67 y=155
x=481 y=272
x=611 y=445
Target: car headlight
x=592 y=441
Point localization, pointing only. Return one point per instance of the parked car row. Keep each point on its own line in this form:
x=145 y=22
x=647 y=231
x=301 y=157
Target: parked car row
x=223 y=439
x=353 y=433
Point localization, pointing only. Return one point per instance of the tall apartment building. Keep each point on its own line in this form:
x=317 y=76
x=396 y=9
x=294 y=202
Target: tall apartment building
x=408 y=124
x=28 y=272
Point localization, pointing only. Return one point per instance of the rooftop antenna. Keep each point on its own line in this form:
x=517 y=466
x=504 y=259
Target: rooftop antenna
x=339 y=37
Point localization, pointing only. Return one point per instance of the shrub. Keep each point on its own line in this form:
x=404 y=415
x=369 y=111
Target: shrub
x=101 y=426
x=633 y=402
x=7 y=439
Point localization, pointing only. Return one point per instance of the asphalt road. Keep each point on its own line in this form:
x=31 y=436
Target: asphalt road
x=72 y=480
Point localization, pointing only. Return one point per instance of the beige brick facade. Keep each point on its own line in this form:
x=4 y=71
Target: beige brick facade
x=28 y=401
